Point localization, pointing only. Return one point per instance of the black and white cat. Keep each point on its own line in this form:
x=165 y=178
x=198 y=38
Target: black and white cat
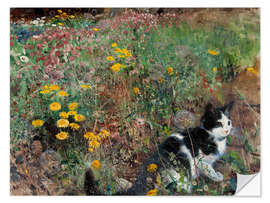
x=196 y=148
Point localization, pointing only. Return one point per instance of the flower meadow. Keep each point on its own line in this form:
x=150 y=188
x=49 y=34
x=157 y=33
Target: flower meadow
x=102 y=94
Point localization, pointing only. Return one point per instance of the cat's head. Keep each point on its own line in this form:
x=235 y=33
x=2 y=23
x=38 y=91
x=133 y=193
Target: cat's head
x=217 y=121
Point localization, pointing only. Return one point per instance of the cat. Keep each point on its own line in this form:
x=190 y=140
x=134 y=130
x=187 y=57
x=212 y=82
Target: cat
x=195 y=148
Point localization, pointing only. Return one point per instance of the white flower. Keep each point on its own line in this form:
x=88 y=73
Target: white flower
x=42 y=21
x=41 y=24
x=24 y=59
x=35 y=22
x=53 y=25
x=38 y=19
x=43 y=18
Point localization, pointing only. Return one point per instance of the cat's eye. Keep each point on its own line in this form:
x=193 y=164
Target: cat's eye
x=229 y=122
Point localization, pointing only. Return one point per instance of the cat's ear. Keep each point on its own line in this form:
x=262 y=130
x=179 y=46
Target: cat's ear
x=209 y=108
x=227 y=108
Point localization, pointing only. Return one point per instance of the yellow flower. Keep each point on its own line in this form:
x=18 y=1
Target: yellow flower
x=71 y=16
x=95 y=29
x=73 y=106
x=62 y=123
x=94 y=144
x=122 y=56
x=160 y=80
x=60 y=24
x=59 y=11
x=215 y=69
x=252 y=70
x=152 y=167
x=63 y=115
x=62 y=93
x=110 y=58
x=96 y=164
x=117 y=50
x=37 y=123
x=212 y=52
x=22 y=19
x=104 y=133
x=170 y=70
x=62 y=136
x=116 y=67
x=74 y=126
x=54 y=87
x=152 y=192
x=114 y=45
x=89 y=135
x=158 y=179
x=45 y=91
x=79 y=117
x=90 y=149
x=86 y=86
x=136 y=90
x=73 y=113
x=55 y=106
x=57 y=16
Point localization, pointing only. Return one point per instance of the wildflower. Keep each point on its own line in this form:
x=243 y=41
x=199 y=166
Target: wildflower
x=95 y=29
x=94 y=144
x=22 y=19
x=158 y=179
x=74 y=126
x=37 y=123
x=114 y=44
x=45 y=87
x=63 y=115
x=54 y=87
x=136 y=90
x=117 y=50
x=116 y=67
x=252 y=70
x=121 y=56
x=62 y=136
x=62 y=93
x=152 y=192
x=45 y=91
x=79 y=117
x=73 y=106
x=71 y=16
x=215 y=69
x=96 y=164
x=104 y=134
x=205 y=188
x=152 y=168
x=53 y=25
x=60 y=24
x=160 y=80
x=59 y=11
x=55 y=106
x=212 y=52
x=24 y=59
x=57 y=16
x=62 y=123
x=90 y=149
x=73 y=113
x=170 y=70
x=110 y=58
x=89 y=135
x=86 y=86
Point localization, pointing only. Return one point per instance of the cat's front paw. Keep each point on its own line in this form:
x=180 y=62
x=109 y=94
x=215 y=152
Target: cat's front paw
x=219 y=177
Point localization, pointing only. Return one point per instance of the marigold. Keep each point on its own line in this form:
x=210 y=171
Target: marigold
x=55 y=106
x=116 y=67
x=114 y=45
x=73 y=113
x=62 y=123
x=79 y=117
x=152 y=167
x=89 y=135
x=37 y=123
x=96 y=164
x=117 y=50
x=136 y=90
x=170 y=70
x=110 y=58
x=152 y=192
x=212 y=52
x=63 y=115
x=62 y=93
x=74 y=126
x=86 y=86
x=54 y=87
x=73 y=106
x=62 y=136
x=104 y=133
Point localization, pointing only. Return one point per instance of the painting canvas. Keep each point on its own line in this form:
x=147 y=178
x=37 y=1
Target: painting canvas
x=134 y=101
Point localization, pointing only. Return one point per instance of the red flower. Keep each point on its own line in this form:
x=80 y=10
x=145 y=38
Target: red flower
x=35 y=67
x=11 y=44
x=57 y=53
x=71 y=58
x=151 y=60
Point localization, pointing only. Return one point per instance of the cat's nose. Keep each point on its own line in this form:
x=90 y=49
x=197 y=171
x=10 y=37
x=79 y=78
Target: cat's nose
x=226 y=131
